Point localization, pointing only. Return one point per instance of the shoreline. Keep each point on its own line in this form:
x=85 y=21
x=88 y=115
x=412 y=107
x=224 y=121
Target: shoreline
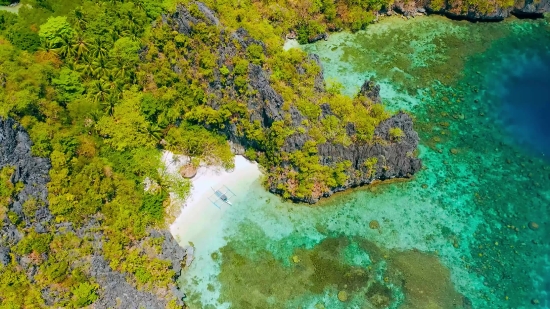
x=197 y=213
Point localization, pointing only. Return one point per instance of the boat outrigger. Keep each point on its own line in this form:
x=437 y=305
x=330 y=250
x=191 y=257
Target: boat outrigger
x=220 y=196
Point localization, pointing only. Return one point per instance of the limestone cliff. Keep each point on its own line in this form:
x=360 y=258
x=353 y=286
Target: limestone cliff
x=392 y=157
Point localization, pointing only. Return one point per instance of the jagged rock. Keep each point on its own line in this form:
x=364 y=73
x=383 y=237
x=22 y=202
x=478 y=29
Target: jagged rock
x=266 y=106
x=394 y=159
x=182 y=20
x=325 y=110
x=172 y=251
x=371 y=90
x=320 y=78
x=4 y=255
x=116 y=292
x=15 y=151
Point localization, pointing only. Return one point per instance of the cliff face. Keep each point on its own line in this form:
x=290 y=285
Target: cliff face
x=32 y=172
x=484 y=11
x=389 y=157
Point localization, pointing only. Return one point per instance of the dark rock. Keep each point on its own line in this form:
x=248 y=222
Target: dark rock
x=172 y=251
x=295 y=142
x=182 y=20
x=325 y=110
x=318 y=37
x=371 y=90
x=210 y=16
x=395 y=159
x=266 y=106
x=5 y=255
x=320 y=78
x=116 y=292
x=15 y=151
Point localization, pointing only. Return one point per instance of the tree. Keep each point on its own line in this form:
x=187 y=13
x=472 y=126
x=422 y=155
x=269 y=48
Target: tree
x=84 y=294
x=68 y=85
x=80 y=45
x=55 y=29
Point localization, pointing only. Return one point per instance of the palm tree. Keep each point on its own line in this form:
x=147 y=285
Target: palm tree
x=117 y=32
x=48 y=46
x=134 y=32
x=65 y=48
x=102 y=67
x=86 y=66
x=80 y=46
x=153 y=130
x=79 y=18
x=100 y=48
x=99 y=91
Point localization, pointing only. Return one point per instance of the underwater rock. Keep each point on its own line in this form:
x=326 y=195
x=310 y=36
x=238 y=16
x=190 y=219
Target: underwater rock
x=533 y=226
x=342 y=296
x=189 y=255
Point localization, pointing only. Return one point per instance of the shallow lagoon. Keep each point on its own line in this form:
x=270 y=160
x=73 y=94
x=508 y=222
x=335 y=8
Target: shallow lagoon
x=457 y=235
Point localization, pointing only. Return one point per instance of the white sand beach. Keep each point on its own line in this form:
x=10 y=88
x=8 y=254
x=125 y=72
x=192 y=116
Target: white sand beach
x=198 y=213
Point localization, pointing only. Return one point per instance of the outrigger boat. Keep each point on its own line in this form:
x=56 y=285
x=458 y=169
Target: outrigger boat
x=221 y=195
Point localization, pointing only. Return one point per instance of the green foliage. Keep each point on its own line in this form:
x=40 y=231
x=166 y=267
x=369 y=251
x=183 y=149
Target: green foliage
x=55 y=29
x=24 y=38
x=396 y=134
x=68 y=85
x=84 y=294
x=370 y=164
x=33 y=241
x=255 y=53
x=7 y=188
x=152 y=205
x=224 y=70
x=196 y=141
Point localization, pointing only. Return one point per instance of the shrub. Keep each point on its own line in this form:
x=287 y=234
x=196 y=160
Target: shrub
x=396 y=134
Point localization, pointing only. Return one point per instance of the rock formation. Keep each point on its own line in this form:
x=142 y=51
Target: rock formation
x=265 y=105
x=460 y=10
x=32 y=172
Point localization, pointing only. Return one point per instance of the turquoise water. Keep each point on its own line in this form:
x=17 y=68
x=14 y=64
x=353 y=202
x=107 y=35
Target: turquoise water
x=462 y=234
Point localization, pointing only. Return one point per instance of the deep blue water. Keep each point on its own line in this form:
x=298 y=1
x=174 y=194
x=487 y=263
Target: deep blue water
x=526 y=106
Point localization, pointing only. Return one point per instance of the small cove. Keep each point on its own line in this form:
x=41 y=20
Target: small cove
x=466 y=215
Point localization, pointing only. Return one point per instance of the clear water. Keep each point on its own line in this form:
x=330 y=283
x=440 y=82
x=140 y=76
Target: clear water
x=455 y=236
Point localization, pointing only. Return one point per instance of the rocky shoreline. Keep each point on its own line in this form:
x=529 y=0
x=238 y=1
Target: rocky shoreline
x=459 y=10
